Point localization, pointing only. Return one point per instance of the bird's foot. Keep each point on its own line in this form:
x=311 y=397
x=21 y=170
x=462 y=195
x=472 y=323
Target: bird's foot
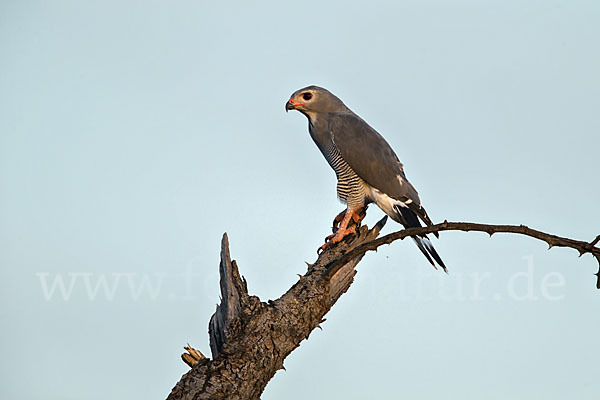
x=336 y=222
x=349 y=224
x=355 y=219
x=358 y=215
x=337 y=237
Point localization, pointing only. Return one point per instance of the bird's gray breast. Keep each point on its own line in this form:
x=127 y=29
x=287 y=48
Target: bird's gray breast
x=351 y=189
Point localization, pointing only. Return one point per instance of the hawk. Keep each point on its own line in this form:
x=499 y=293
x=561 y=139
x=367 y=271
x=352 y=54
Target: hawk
x=367 y=169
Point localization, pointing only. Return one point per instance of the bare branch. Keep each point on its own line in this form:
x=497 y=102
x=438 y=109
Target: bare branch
x=552 y=240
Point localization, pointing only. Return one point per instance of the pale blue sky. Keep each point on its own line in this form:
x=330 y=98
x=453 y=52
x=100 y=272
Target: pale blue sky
x=134 y=133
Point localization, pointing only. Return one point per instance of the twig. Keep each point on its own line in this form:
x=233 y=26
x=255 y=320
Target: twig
x=552 y=240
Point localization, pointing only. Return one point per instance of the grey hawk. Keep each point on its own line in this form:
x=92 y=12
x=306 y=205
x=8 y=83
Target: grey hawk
x=367 y=169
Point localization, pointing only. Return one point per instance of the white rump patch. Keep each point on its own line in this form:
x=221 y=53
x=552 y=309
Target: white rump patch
x=385 y=202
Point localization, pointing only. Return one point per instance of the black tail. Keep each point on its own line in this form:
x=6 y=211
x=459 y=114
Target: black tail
x=410 y=220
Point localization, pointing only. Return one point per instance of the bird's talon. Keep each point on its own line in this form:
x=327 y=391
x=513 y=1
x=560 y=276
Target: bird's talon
x=321 y=249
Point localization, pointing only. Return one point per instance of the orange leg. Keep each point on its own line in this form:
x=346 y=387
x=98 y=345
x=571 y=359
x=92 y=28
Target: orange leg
x=345 y=226
x=359 y=214
x=357 y=218
x=337 y=220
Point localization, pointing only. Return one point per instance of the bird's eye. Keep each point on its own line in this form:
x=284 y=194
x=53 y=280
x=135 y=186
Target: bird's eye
x=307 y=96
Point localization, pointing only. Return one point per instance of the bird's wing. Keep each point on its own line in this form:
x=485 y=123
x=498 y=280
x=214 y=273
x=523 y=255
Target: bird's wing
x=373 y=160
x=370 y=156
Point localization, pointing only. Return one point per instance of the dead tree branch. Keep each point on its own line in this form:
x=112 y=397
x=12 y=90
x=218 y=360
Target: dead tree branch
x=551 y=240
x=250 y=339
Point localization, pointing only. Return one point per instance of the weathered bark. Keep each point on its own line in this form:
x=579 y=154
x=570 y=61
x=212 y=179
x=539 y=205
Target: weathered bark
x=249 y=339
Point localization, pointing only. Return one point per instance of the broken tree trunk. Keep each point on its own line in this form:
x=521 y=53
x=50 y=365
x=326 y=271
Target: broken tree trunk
x=249 y=339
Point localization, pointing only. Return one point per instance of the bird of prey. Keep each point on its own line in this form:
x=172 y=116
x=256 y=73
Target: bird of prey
x=367 y=169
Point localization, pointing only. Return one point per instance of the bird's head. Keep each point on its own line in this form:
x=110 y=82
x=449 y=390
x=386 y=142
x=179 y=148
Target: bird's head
x=313 y=100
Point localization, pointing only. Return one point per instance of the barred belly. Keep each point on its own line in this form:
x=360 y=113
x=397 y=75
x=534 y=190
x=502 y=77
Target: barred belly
x=351 y=189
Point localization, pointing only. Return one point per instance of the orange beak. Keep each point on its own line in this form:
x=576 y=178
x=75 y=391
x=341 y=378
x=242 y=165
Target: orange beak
x=291 y=105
